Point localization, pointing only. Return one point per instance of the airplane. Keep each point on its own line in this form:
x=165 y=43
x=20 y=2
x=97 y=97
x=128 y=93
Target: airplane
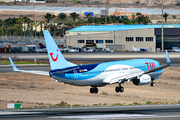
x=139 y=71
x=139 y=49
x=41 y=46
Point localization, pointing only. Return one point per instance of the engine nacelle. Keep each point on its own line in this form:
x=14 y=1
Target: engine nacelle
x=50 y=74
x=144 y=79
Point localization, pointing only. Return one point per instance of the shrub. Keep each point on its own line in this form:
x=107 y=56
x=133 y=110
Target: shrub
x=136 y=103
x=117 y=104
x=174 y=17
x=148 y=102
x=62 y=104
x=137 y=2
x=105 y=104
x=76 y=105
x=104 y=93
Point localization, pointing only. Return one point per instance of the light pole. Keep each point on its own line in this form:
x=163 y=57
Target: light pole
x=2 y=31
x=162 y=34
x=78 y=39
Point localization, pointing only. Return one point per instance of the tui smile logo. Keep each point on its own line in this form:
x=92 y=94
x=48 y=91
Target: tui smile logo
x=54 y=59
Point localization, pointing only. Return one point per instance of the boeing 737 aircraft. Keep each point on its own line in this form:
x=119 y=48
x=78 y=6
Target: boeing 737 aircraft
x=139 y=71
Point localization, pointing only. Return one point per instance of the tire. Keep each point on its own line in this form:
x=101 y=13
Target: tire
x=152 y=84
x=95 y=90
x=91 y=90
x=117 y=89
x=121 y=89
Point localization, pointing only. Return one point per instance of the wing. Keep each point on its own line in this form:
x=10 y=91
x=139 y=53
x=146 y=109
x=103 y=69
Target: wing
x=28 y=71
x=129 y=77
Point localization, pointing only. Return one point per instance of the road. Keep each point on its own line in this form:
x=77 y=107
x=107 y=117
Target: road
x=155 y=112
x=79 y=10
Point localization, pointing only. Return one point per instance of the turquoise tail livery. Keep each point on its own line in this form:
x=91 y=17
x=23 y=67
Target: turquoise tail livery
x=56 y=59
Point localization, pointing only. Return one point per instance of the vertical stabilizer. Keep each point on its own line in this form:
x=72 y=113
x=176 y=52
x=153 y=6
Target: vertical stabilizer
x=168 y=61
x=41 y=46
x=56 y=59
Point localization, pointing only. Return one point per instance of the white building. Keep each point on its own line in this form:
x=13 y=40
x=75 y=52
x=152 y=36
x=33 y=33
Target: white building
x=123 y=37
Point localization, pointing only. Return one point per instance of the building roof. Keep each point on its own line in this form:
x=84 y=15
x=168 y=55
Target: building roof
x=98 y=28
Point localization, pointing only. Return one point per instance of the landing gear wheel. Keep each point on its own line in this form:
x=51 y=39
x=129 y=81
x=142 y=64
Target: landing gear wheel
x=152 y=84
x=117 y=89
x=91 y=90
x=121 y=89
x=94 y=90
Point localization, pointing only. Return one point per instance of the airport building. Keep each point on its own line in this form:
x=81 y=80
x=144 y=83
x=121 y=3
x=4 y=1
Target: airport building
x=124 y=37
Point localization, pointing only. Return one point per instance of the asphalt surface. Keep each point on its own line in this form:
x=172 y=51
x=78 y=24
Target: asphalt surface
x=98 y=57
x=95 y=10
x=152 y=112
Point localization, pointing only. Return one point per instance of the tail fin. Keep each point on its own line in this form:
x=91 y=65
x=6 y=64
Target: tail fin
x=56 y=59
x=41 y=46
x=168 y=61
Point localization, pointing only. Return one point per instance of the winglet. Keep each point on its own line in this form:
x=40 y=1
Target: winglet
x=168 y=62
x=13 y=65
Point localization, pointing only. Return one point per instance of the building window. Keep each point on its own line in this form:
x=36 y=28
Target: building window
x=99 y=41
x=80 y=41
x=149 y=38
x=89 y=41
x=108 y=41
x=139 y=38
x=129 y=39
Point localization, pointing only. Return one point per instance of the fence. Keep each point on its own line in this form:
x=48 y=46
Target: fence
x=29 y=40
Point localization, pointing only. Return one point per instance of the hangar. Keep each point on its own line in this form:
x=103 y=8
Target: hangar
x=123 y=37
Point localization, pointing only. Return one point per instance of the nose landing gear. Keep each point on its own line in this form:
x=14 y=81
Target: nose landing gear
x=152 y=84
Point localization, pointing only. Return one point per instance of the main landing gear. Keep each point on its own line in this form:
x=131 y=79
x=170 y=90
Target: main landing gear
x=94 y=90
x=119 y=89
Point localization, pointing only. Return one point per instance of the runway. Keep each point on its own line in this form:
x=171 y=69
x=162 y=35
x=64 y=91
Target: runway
x=97 y=56
x=152 y=112
x=155 y=112
x=95 y=10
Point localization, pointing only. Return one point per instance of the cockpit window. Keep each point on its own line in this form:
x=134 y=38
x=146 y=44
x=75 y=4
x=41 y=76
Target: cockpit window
x=160 y=64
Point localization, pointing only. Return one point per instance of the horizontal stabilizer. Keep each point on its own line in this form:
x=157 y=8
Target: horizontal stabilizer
x=28 y=71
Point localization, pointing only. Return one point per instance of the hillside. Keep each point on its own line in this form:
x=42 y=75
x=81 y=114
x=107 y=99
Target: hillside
x=173 y=4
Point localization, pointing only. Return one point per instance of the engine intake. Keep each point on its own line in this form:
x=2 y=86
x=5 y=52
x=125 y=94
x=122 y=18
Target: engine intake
x=144 y=79
x=50 y=74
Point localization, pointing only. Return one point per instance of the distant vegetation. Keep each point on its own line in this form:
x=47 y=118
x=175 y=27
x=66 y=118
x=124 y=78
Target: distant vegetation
x=57 y=25
x=64 y=104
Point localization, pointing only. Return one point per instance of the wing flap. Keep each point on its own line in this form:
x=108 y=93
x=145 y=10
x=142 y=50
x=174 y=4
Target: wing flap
x=123 y=78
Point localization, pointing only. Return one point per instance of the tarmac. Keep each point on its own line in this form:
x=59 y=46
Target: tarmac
x=139 y=112
x=155 y=112
x=95 y=55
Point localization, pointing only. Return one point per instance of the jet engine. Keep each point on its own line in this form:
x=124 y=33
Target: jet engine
x=50 y=74
x=144 y=79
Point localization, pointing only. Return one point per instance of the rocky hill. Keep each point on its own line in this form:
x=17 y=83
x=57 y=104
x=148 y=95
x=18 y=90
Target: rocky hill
x=173 y=4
